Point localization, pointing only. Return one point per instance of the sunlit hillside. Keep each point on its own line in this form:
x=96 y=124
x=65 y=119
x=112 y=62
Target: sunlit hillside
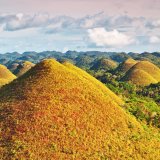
x=5 y=76
x=139 y=77
x=143 y=73
x=57 y=111
x=150 y=68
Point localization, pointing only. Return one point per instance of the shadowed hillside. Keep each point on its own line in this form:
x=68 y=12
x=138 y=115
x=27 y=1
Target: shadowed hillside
x=5 y=76
x=23 y=68
x=57 y=111
x=103 y=63
x=126 y=65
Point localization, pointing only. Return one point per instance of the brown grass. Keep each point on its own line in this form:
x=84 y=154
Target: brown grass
x=5 y=76
x=57 y=111
x=126 y=65
x=143 y=73
x=23 y=68
x=139 y=77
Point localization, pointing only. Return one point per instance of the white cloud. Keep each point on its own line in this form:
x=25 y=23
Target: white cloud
x=154 y=39
x=102 y=37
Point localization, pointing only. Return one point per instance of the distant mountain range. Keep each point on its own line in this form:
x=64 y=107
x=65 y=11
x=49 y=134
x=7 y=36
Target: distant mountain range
x=78 y=58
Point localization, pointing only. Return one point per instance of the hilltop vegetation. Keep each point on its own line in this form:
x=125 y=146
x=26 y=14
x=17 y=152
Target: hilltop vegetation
x=58 y=111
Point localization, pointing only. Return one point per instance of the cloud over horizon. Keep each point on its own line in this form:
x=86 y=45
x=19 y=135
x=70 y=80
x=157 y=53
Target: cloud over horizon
x=91 y=32
x=102 y=37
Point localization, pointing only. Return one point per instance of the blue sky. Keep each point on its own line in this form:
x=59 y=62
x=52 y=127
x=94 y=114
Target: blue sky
x=82 y=25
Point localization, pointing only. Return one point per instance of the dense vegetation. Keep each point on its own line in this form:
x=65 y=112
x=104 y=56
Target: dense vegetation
x=141 y=101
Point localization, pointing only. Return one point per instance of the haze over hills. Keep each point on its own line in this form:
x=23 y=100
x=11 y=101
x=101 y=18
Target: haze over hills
x=76 y=57
x=58 y=111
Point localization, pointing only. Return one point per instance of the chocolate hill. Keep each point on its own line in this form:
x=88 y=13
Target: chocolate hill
x=104 y=63
x=23 y=68
x=143 y=73
x=126 y=65
x=58 y=111
x=5 y=75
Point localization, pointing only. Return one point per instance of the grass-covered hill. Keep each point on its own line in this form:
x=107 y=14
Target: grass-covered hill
x=126 y=65
x=150 y=68
x=5 y=76
x=58 y=111
x=139 y=77
x=23 y=68
x=103 y=64
x=143 y=73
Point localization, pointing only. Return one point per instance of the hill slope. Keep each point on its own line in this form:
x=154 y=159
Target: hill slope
x=148 y=67
x=139 y=77
x=104 y=63
x=23 y=68
x=143 y=73
x=5 y=76
x=57 y=111
x=126 y=65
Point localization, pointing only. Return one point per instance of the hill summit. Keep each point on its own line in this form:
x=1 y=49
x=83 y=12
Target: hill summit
x=126 y=65
x=58 y=111
x=104 y=63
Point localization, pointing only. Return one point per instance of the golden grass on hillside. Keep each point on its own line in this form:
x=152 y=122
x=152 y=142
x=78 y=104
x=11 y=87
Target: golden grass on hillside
x=143 y=73
x=5 y=75
x=23 y=68
x=150 y=68
x=89 y=78
x=126 y=65
x=104 y=64
x=57 y=111
x=139 y=77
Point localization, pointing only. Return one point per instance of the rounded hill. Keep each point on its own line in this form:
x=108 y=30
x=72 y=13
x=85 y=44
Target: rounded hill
x=139 y=77
x=23 y=68
x=126 y=65
x=5 y=75
x=148 y=67
x=103 y=63
x=58 y=111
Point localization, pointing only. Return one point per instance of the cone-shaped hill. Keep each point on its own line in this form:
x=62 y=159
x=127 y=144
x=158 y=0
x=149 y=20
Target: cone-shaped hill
x=13 y=66
x=126 y=65
x=5 y=75
x=139 y=77
x=148 y=67
x=104 y=63
x=58 y=111
x=23 y=68
x=143 y=73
